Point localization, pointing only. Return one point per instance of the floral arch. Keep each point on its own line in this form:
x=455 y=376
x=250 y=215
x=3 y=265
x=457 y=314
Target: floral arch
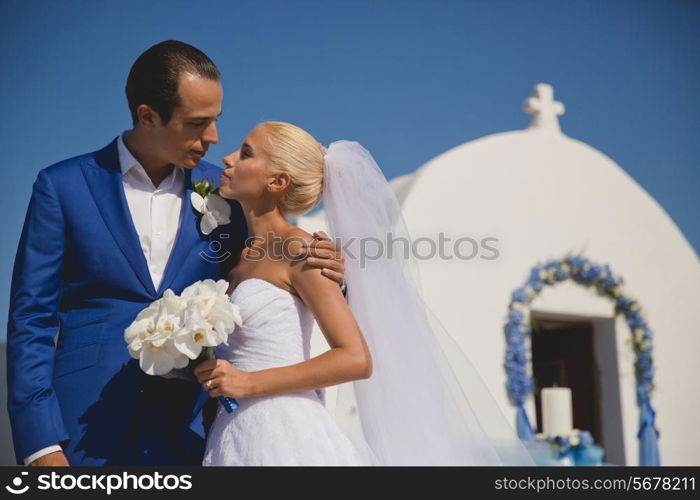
x=517 y=327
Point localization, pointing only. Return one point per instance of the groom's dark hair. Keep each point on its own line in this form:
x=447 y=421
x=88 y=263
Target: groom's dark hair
x=154 y=76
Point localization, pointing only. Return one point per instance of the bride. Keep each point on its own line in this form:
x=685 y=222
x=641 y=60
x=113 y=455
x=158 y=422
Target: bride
x=419 y=400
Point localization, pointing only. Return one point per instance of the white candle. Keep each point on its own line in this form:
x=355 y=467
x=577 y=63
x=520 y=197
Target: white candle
x=557 y=413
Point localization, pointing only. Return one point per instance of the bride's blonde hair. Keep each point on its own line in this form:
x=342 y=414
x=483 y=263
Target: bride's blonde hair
x=293 y=150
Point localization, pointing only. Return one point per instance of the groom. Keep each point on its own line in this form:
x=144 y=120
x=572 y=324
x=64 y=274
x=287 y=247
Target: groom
x=105 y=234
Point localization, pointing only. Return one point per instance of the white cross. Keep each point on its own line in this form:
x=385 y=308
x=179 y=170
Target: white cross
x=543 y=108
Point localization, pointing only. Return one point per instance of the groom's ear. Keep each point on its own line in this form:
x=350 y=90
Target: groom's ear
x=148 y=117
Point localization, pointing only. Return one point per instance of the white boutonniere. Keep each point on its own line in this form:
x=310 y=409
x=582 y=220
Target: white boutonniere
x=214 y=209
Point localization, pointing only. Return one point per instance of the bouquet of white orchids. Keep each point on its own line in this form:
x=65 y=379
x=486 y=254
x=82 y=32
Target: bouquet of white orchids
x=175 y=330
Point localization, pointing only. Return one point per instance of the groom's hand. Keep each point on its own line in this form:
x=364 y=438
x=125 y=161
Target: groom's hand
x=326 y=255
x=54 y=459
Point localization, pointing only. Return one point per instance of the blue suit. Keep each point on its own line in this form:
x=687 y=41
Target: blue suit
x=80 y=273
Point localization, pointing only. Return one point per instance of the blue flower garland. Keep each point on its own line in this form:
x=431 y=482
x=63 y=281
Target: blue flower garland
x=517 y=327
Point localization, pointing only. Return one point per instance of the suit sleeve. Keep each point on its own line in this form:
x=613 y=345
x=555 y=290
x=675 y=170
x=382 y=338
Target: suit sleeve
x=34 y=411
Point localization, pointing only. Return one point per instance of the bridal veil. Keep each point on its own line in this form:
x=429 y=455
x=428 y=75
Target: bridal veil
x=425 y=403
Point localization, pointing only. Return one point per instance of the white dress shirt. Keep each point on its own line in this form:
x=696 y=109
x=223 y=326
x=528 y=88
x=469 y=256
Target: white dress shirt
x=153 y=211
x=156 y=211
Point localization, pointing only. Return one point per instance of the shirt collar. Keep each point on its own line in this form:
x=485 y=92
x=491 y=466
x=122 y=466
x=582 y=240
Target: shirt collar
x=127 y=160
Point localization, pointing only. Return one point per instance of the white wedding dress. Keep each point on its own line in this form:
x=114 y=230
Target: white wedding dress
x=291 y=429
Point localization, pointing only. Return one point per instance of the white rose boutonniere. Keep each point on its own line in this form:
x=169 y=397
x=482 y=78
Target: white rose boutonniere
x=214 y=209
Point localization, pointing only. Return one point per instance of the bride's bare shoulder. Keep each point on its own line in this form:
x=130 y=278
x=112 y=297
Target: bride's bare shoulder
x=301 y=272
x=294 y=240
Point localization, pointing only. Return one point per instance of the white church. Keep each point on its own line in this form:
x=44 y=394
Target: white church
x=515 y=200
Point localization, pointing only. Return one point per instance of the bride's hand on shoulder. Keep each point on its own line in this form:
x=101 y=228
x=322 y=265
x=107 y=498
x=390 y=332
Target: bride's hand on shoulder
x=221 y=378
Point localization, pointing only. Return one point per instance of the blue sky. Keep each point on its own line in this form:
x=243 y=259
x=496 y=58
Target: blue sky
x=408 y=79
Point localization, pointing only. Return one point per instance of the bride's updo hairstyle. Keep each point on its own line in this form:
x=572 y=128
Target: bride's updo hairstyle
x=293 y=150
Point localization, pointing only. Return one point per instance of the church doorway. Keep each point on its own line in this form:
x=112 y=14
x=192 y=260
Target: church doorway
x=579 y=353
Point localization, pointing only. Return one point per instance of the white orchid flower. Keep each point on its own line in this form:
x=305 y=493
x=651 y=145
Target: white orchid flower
x=205 y=287
x=150 y=336
x=174 y=304
x=218 y=287
x=196 y=334
x=191 y=291
x=224 y=316
x=142 y=328
x=217 y=309
x=206 y=295
x=214 y=209
x=161 y=360
x=210 y=316
x=154 y=350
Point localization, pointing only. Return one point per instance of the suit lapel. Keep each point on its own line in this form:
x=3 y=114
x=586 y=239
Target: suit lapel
x=187 y=236
x=104 y=178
